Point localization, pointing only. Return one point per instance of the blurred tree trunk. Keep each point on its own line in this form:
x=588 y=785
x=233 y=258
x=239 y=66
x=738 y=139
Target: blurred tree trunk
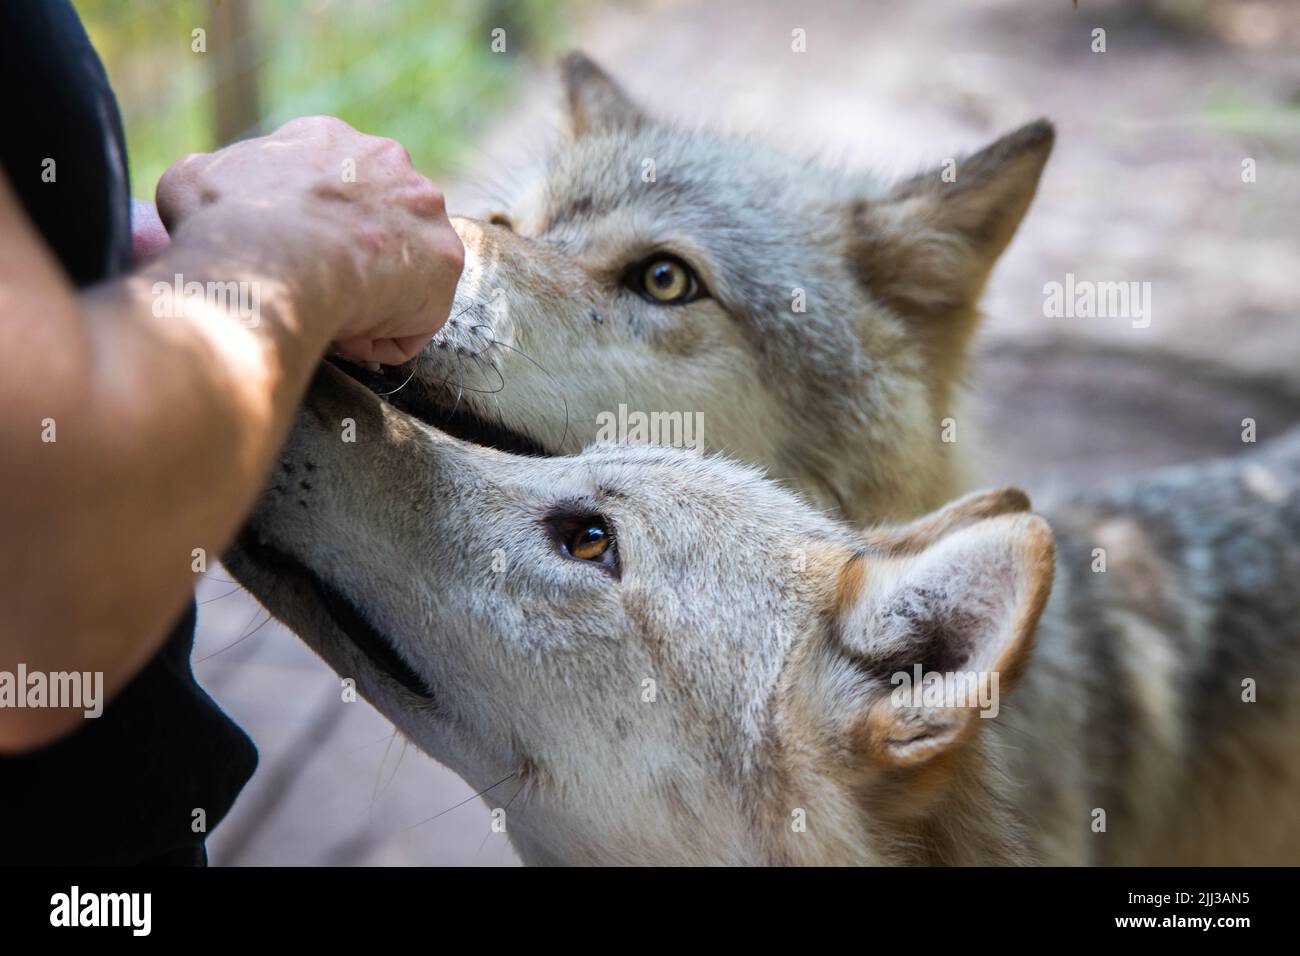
x=235 y=60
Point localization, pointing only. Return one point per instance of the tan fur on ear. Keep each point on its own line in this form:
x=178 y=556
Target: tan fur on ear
x=906 y=736
x=920 y=534
x=926 y=249
x=850 y=581
x=594 y=100
x=1039 y=549
x=891 y=737
x=991 y=190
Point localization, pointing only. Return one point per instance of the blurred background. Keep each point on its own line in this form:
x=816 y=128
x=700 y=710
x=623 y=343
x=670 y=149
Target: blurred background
x=1145 y=185
x=421 y=71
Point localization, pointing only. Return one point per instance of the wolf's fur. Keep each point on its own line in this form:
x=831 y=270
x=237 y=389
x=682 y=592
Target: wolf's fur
x=733 y=678
x=726 y=696
x=842 y=394
x=1150 y=658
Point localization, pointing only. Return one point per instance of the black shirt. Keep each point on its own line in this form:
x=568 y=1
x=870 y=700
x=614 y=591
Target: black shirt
x=124 y=787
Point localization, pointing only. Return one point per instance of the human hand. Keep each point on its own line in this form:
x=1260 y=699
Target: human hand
x=360 y=239
x=148 y=237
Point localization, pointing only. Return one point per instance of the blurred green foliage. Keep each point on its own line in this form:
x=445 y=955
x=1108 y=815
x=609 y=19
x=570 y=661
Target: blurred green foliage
x=1273 y=121
x=420 y=71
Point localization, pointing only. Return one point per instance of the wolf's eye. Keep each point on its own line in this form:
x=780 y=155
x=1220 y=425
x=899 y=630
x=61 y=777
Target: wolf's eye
x=666 y=280
x=590 y=543
x=585 y=536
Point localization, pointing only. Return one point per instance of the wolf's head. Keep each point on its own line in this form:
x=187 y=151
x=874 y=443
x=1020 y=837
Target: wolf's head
x=644 y=655
x=812 y=323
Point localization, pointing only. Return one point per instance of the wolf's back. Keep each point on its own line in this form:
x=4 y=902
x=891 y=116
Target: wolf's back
x=1173 y=641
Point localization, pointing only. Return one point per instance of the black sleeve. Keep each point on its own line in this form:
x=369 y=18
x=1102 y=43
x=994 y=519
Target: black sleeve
x=125 y=787
x=61 y=141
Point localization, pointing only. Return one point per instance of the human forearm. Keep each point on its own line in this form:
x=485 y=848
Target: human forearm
x=165 y=408
x=162 y=432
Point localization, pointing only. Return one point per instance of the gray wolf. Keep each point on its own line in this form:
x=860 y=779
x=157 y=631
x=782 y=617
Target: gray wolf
x=816 y=322
x=643 y=655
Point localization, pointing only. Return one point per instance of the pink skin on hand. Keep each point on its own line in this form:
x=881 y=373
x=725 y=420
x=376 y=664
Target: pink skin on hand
x=148 y=235
x=149 y=238
x=386 y=351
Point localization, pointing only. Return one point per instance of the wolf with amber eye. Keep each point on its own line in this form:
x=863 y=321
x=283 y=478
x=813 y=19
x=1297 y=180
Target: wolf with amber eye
x=817 y=320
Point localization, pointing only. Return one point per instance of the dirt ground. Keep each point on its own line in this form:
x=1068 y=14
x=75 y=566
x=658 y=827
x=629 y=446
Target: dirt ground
x=1145 y=186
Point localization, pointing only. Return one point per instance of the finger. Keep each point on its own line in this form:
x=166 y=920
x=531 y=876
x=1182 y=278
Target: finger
x=386 y=351
x=176 y=195
x=412 y=345
x=148 y=237
x=323 y=127
x=357 y=349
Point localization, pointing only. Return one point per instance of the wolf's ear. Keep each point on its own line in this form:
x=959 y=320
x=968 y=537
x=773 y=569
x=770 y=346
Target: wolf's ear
x=962 y=609
x=927 y=247
x=916 y=536
x=595 y=101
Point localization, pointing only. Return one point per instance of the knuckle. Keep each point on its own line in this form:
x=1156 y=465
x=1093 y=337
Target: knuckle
x=455 y=252
x=180 y=174
x=186 y=166
x=434 y=197
x=319 y=122
x=424 y=200
x=391 y=147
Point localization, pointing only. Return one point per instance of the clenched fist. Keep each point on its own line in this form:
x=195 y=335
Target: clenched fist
x=358 y=237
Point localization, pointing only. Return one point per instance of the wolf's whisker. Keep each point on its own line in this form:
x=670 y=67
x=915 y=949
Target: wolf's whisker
x=463 y=311
x=541 y=368
x=379 y=773
x=501 y=379
x=387 y=738
x=443 y=386
x=241 y=639
x=381 y=785
x=460 y=390
x=400 y=387
x=219 y=596
x=484 y=391
x=465 y=801
x=489 y=337
x=518 y=790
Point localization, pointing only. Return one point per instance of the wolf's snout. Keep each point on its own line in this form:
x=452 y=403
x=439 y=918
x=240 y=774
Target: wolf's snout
x=334 y=397
x=474 y=234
